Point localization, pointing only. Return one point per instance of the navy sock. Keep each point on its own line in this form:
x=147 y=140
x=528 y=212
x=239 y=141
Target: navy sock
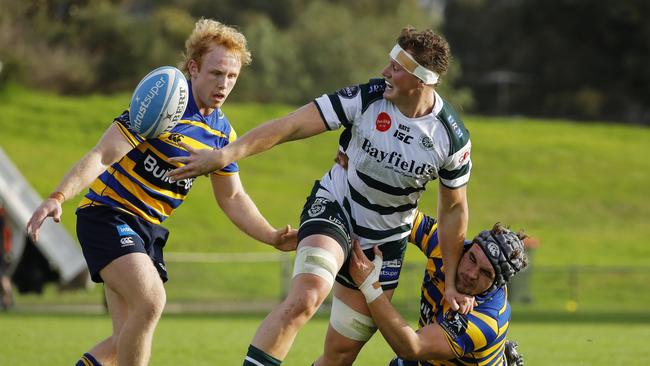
x=257 y=357
x=88 y=360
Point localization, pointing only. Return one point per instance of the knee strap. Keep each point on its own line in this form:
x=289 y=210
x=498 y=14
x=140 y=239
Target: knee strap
x=351 y=323
x=316 y=261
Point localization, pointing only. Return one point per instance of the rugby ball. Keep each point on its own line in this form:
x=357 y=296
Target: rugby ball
x=158 y=102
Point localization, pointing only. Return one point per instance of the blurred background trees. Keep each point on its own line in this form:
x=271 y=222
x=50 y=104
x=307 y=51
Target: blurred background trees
x=580 y=59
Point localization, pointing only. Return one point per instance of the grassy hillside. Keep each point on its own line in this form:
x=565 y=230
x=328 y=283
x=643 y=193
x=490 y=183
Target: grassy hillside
x=581 y=188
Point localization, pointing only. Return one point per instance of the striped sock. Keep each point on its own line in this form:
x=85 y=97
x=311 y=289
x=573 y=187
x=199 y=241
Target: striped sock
x=88 y=360
x=257 y=357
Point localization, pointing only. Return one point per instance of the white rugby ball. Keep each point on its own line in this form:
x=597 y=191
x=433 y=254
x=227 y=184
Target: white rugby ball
x=158 y=102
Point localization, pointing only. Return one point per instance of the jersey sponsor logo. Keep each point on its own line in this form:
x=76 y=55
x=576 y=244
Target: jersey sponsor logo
x=127 y=241
x=463 y=157
x=335 y=220
x=389 y=274
x=349 y=92
x=454 y=324
x=454 y=126
x=153 y=169
x=318 y=207
x=395 y=263
x=383 y=122
x=396 y=160
x=125 y=230
x=403 y=137
x=373 y=88
x=426 y=143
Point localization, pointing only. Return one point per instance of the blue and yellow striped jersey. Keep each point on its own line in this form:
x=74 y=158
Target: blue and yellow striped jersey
x=477 y=338
x=137 y=182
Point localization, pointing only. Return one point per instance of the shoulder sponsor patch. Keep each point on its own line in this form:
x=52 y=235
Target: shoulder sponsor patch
x=454 y=324
x=349 y=92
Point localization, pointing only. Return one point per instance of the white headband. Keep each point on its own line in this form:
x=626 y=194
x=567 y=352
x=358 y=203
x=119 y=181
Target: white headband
x=409 y=64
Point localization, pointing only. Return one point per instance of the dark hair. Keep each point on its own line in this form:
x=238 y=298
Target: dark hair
x=429 y=49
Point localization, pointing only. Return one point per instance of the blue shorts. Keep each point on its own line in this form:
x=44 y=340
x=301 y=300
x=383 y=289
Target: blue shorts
x=106 y=234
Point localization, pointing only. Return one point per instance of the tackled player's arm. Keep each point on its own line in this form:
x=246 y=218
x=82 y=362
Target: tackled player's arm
x=428 y=343
x=452 y=225
x=112 y=146
x=299 y=124
x=242 y=211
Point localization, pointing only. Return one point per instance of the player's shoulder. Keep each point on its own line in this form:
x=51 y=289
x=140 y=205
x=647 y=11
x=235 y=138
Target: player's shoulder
x=494 y=305
x=454 y=126
x=368 y=93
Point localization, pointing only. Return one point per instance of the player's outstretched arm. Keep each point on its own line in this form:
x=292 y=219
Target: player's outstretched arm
x=111 y=147
x=300 y=124
x=452 y=225
x=428 y=343
x=241 y=210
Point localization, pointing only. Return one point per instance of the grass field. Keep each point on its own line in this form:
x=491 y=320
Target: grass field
x=581 y=188
x=222 y=340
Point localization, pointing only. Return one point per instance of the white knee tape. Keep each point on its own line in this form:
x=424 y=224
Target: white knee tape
x=316 y=261
x=351 y=323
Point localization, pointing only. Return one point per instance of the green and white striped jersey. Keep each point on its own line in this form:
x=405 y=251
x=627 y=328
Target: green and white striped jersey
x=391 y=159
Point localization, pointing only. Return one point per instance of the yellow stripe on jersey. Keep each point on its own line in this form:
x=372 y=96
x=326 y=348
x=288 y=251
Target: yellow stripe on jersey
x=477 y=336
x=491 y=322
x=135 y=189
x=233 y=135
x=494 y=351
x=128 y=134
x=454 y=347
x=86 y=361
x=416 y=223
x=504 y=327
x=505 y=303
x=222 y=173
x=101 y=188
x=203 y=126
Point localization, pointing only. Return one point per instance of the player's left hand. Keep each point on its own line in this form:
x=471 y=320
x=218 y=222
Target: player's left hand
x=286 y=239
x=199 y=162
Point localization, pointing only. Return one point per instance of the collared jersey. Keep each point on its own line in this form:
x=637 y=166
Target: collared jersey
x=391 y=159
x=136 y=183
x=477 y=338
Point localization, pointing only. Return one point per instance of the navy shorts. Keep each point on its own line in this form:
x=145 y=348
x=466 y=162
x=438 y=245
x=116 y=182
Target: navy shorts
x=106 y=234
x=323 y=216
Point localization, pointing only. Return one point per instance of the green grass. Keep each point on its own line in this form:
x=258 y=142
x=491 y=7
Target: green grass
x=222 y=340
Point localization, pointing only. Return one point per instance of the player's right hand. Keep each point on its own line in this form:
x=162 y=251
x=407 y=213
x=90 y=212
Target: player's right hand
x=48 y=208
x=341 y=159
x=458 y=301
x=199 y=162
